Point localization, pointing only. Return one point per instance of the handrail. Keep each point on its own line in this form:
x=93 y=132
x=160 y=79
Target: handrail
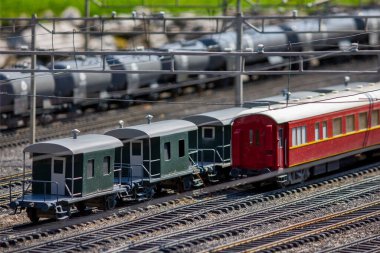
x=129 y=167
x=30 y=181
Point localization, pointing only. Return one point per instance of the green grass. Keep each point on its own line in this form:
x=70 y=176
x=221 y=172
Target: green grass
x=15 y=8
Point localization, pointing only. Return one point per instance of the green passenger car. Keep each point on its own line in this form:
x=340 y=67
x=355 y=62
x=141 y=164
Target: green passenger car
x=70 y=174
x=156 y=154
x=213 y=138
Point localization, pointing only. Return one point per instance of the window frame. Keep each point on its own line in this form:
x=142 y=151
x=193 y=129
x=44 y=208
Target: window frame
x=361 y=127
x=167 y=151
x=337 y=124
x=299 y=136
x=181 y=148
x=353 y=129
x=92 y=169
x=317 y=135
x=204 y=129
x=107 y=171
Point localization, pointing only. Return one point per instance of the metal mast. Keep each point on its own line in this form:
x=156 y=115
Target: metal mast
x=239 y=59
x=33 y=83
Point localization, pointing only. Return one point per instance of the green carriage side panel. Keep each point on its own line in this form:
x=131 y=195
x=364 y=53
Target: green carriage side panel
x=227 y=143
x=210 y=145
x=78 y=173
x=146 y=158
x=124 y=160
x=170 y=166
x=155 y=165
x=97 y=180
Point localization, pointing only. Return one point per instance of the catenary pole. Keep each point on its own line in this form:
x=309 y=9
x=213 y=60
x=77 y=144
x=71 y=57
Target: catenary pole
x=87 y=14
x=239 y=59
x=33 y=83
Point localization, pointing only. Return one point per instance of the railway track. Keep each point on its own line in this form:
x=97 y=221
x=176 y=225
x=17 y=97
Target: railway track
x=241 y=224
x=370 y=245
x=163 y=230
x=294 y=235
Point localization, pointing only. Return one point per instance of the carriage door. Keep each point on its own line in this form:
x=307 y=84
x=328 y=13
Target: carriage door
x=58 y=175
x=281 y=147
x=136 y=155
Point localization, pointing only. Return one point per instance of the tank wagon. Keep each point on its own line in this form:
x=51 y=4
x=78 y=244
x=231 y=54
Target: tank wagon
x=90 y=89
x=15 y=107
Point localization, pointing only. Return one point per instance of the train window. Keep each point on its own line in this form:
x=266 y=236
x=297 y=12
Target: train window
x=181 y=148
x=298 y=135
x=375 y=118
x=208 y=133
x=106 y=165
x=136 y=148
x=350 y=123
x=257 y=137
x=250 y=136
x=337 y=126
x=294 y=137
x=58 y=166
x=363 y=120
x=90 y=168
x=316 y=131
x=167 y=154
x=324 y=129
x=281 y=137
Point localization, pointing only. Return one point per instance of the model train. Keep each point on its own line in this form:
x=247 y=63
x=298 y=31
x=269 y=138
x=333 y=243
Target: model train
x=308 y=134
x=72 y=92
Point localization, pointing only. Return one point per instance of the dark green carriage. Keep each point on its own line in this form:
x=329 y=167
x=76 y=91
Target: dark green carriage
x=213 y=137
x=156 y=153
x=69 y=174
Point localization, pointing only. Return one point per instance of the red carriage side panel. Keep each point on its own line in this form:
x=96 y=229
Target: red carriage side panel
x=334 y=134
x=255 y=143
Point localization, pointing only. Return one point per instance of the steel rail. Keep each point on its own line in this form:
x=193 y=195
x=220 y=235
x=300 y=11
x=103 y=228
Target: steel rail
x=368 y=245
x=352 y=215
x=242 y=222
x=120 y=230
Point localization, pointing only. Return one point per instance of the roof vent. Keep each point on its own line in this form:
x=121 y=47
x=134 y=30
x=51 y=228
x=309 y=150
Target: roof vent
x=149 y=118
x=75 y=133
x=371 y=84
x=336 y=91
x=121 y=124
x=322 y=94
x=359 y=86
x=346 y=80
x=260 y=48
x=309 y=97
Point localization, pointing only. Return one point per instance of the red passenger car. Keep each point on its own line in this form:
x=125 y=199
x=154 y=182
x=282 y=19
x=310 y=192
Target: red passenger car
x=306 y=139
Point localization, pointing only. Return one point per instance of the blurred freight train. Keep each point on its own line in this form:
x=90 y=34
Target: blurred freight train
x=286 y=140
x=70 y=92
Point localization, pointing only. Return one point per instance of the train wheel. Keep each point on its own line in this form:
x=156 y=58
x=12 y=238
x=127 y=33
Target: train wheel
x=126 y=101
x=81 y=206
x=110 y=202
x=46 y=118
x=32 y=214
x=177 y=92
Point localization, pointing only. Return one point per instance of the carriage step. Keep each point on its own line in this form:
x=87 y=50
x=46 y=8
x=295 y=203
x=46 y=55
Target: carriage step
x=197 y=182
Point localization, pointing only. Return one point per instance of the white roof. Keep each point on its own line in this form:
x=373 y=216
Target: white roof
x=70 y=146
x=215 y=118
x=155 y=129
x=315 y=108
